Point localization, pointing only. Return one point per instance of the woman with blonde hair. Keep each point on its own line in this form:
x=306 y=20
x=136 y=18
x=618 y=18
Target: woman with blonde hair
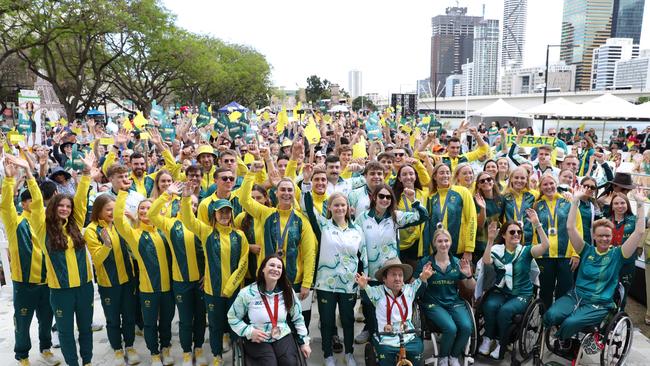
x=464 y=176
x=517 y=199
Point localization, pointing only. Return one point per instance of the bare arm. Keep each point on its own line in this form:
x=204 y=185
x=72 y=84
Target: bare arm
x=572 y=230
x=630 y=245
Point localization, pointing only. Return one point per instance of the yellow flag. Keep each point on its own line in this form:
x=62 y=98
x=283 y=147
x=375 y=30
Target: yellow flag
x=327 y=118
x=359 y=149
x=298 y=107
x=312 y=132
x=127 y=125
x=412 y=139
x=63 y=122
x=234 y=116
x=77 y=130
x=581 y=127
x=283 y=119
x=139 y=121
x=265 y=116
x=210 y=109
x=426 y=119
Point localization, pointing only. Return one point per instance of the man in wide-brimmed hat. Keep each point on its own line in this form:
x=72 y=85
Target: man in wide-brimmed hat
x=394 y=299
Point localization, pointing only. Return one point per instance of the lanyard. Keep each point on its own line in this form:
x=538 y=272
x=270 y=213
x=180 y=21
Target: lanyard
x=389 y=308
x=552 y=216
x=406 y=203
x=280 y=244
x=442 y=211
x=273 y=316
x=518 y=209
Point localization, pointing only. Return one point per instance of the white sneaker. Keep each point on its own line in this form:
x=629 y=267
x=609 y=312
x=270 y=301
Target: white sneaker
x=484 y=349
x=132 y=357
x=496 y=352
x=443 y=361
x=330 y=361
x=225 y=344
x=55 y=339
x=453 y=361
x=118 y=360
x=24 y=362
x=167 y=358
x=155 y=360
x=49 y=358
x=362 y=337
x=199 y=357
x=349 y=359
x=187 y=359
x=96 y=327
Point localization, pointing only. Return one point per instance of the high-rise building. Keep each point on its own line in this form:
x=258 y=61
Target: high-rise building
x=514 y=33
x=586 y=24
x=627 y=19
x=452 y=43
x=634 y=73
x=604 y=61
x=355 y=83
x=561 y=78
x=486 y=57
x=451 y=84
x=467 y=83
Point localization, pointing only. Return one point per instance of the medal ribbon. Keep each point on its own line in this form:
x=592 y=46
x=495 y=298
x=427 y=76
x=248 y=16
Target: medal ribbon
x=442 y=211
x=389 y=308
x=518 y=209
x=406 y=203
x=552 y=217
x=272 y=316
x=280 y=244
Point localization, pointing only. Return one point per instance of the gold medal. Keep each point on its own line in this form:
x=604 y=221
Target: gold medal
x=552 y=231
x=275 y=332
x=439 y=226
x=388 y=328
x=280 y=253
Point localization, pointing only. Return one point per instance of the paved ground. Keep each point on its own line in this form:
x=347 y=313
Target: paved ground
x=103 y=355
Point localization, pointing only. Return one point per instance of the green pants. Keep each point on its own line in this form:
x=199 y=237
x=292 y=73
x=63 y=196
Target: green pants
x=573 y=315
x=218 y=307
x=327 y=302
x=455 y=324
x=368 y=310
x=118 y=303
x=191 y=314
x=68 y=304
x=498 y=310
x=387 y=355
x=555 y=279
x=30 y=298
x=157 y=313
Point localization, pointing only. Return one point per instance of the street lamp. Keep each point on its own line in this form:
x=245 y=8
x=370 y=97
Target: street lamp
x=435 y=89
x=548 y=46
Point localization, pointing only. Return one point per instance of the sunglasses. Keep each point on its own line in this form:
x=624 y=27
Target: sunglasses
x=382 y=196
x=589 y=186
x=513 y=232
x=228 y=179
x=485 y=180
x=399 y=154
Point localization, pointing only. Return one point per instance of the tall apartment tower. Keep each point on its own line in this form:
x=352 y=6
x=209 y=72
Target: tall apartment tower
x=355 y=83
x=514 y=33
x=452 y=43
x=605 y=58
x=486 y=57
x=586 y=25
x=627 y=19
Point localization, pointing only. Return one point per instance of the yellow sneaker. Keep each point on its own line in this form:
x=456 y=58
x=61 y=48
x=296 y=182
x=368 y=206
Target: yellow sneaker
x=119 y=358
x=199 y=357
x=49 y=358
x=24 y=362
x=155 y=360
x=167 y=358
x=187 y=359
x=217 y=361
x=132 y=357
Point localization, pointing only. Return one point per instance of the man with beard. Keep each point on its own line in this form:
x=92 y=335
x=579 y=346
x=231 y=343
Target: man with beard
x=359 y=198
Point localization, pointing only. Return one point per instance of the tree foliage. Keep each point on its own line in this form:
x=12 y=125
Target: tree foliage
x=317 y=89
x=362 y=102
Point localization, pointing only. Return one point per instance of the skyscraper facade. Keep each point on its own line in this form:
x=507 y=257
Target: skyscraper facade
x=452 y=43
x=514 y=33
x=627 y=19
x=486 y=57
x=586 y=24
x=355 y=83
x=605 y=58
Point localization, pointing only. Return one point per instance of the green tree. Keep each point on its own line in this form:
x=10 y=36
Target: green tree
x=317 y=89
x=363 y=103
x=642 y=100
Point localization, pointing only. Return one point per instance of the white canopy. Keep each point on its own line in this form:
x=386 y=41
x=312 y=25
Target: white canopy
x=606 y=106
x=500 y=108
x=556 y=107
x=643 y=110
x=339 y=108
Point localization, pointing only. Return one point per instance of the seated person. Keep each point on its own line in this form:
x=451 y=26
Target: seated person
x=269 y=304
x=513 y=288
x=393 y=309
x=589 y=302
x=441 y=303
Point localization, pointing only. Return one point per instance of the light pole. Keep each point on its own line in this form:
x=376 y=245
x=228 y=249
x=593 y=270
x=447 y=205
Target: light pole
x=548 y=47
x=435 y=89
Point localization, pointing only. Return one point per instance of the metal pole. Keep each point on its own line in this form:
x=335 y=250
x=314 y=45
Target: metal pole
x=435 y=96
x=467 y=91
x=545 y=85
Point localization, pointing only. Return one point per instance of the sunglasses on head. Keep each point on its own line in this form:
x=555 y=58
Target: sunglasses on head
x=589 y=186
x=485 y=180
x=382 y=196
x=513 y=232
x=228 y=179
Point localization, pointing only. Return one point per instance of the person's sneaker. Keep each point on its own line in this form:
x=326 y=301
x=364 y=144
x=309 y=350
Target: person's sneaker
x=217 y=361
x=225 y=344
x=55 y=339
x=484 y=349
x=139 y=331
x=24 y=362
x=453 y=361
x=167 y=358
x=362 y=337
x=358 y=314
x=118 y=360
x=496 y=353
x=97 y=327
x=337 y=346
x=199 y=357
x=349 y=359
x=330 y=361
x=132 y=357
x=155 y=360
x=187 y=359
x=443 y=361
x=49 y=358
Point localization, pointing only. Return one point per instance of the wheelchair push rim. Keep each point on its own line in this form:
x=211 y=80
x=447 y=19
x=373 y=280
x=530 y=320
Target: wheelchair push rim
x=618 y=340
x=532 y=329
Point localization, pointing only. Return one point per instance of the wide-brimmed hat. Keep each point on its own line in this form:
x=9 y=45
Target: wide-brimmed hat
x=64 y=144
x=623 y=180
x=206 y=149
x=58 y=170
x=394 y=262
x=559 y=154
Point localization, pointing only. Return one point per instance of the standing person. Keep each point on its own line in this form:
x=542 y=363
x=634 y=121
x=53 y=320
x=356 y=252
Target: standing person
x=489 y=206
x=151 y=251
x=226 y=258
x=69 y=273
x=588 y=207
x=268 y=336
x=517 y=199
x=556 y=265
x=246 y=223
x=503 y=165
x=411 y=245
x=441 y=302
x=513 y=288
x=464 y=176
x=342 y=245
x=453 y=157
x=114 y=269
x=28 y=274
x=188 y=266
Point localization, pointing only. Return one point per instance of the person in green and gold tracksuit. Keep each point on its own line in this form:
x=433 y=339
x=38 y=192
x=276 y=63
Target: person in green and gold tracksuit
x=187 y=275
x=151 y=251
x=226 y=261
x=489 y=207
x=69 y=272
x=598 y=275
x=31 y=294
x=114 y=269
x=517 y=198
x=556 y=265
x=246 y=223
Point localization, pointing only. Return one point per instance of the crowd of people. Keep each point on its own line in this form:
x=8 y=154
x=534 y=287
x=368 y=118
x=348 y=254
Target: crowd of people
x=243 y=233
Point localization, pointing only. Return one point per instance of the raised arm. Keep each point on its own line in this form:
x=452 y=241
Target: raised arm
x=122 y=224
x=539 y=249
x=572 y=229
x=492 y=234
x=188 y=219
x=254 y=208
x=161 y=221
x=237 y=276
x=81 y=195
x=630 y=245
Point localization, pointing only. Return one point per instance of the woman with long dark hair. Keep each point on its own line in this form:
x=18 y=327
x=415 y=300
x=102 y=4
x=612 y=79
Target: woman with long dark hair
x=246 y=223
x=411 y=245
x=489 y=208
x=271 y=305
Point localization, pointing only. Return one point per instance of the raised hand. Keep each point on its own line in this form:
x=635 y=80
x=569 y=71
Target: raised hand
x=639 y=195
x=176 y=188
x=532 y=216
x=465 y=267
x=427 y=272
x=493 y=230
x=480 y=201
x=10 y=167
x=410 y=194
x=361 y=280
x=188 y=189
x=307 y=171
x=89 y=161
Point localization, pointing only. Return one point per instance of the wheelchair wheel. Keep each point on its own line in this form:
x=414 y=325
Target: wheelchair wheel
x=369 y=354
x=472 y=346
x=618 y=340
x=532 y=329
x=549 y=338
x=238 y=358
x=417 y=319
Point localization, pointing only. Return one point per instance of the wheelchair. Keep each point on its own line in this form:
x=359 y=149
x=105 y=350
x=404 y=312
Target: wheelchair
x=612 y=338
x=370 y=355
x=525 y=334
x=239 y=359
